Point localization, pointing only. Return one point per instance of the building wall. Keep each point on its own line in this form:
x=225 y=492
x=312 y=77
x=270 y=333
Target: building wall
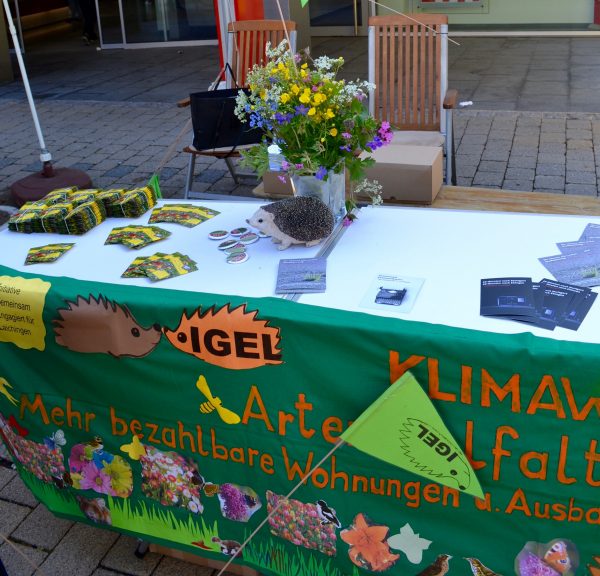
x=513 y=12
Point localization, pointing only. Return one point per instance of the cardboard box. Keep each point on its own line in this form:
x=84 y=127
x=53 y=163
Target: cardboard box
x=408 y=173
x=273 y=187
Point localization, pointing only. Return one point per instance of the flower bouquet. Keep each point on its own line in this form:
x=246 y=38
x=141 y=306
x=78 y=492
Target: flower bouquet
x=320 y=123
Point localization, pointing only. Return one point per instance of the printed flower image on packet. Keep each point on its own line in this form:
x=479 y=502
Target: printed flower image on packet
x=160 y=266
x=185 y=214
x=136 y=237
x=47 y=253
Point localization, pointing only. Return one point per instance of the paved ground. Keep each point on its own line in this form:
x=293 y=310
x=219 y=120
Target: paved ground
x=534 y=125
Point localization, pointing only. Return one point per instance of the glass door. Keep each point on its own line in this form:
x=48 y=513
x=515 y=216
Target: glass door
x=339 y=17
x=155 y=22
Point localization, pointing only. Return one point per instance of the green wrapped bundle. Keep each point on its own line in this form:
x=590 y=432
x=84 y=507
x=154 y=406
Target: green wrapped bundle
x=133 y=203
x=83 y=196
x=28 y=218
x=59 y=195
x=82 y=218
x=109 y=196
x=51 y=219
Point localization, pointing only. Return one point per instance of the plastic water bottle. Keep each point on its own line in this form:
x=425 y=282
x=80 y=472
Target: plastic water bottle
x=275 y=158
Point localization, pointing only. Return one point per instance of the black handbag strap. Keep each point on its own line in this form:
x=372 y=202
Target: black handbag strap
x=222 y=73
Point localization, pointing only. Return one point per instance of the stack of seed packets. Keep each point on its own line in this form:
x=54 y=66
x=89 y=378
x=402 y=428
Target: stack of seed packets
x=131 y=203
x=579 y=260
x=136 y=237
x=188 y=215
x=47 y=253
x=233 y=243
x=72 y=211
x=160 y=266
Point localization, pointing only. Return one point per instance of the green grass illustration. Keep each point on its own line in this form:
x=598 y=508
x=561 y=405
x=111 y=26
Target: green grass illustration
x=269 y=554
x=161 y=523
x=272 y=555
x=61 y=501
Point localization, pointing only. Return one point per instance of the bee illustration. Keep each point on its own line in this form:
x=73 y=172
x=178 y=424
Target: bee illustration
x=56 y=440
x=213 y=403
x=4 y=386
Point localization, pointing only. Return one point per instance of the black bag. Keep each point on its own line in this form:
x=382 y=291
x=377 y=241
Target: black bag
x=215 y=123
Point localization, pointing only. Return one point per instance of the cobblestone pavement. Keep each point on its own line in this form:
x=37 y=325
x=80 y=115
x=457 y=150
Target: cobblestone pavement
x=122 y=144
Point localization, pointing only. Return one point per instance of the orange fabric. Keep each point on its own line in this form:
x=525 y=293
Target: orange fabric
x=249 y=9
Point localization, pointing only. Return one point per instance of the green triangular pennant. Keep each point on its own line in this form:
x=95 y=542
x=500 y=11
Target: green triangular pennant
x=402 y=427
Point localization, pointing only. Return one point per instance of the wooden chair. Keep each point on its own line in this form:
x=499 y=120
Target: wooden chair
x=408 y=63
x=246 y=42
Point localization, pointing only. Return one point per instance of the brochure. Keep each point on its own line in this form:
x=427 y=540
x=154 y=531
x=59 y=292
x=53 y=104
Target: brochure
x=392 y=292
x=301 y=275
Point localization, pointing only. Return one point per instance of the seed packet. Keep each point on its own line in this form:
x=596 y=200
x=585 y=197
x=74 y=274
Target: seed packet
x=187 y=215
x=169 y=266
x=134 y=269
x=160 y=266
x=136 y=236
x=47 y=253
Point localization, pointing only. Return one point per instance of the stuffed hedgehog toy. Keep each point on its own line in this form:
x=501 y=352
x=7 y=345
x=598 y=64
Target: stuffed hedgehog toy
x=295 y=220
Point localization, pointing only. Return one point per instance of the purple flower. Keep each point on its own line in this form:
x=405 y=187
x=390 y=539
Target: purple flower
x=94 y=479
x=346 y=135
x=299 y=166
x=346 y=148
x=233 y=502
x=283 y=118
x=285 y=165
x=282 y=178
x=301 y=110
x=321 y=173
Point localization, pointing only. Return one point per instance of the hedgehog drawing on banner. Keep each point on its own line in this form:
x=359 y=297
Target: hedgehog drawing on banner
x=101 y=326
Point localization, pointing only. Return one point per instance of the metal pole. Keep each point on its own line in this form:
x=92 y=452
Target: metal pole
x=45 y=156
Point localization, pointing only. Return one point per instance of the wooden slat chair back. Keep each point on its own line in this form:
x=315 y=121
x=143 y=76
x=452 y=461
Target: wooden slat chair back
x=246 y=43
x=408 y=63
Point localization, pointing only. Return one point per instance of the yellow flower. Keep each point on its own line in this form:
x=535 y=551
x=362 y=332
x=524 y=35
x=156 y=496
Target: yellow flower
x=294 y=88
x=303 y=73
x=285 y=98
x=280 y=66
x=319 y=98
x=329 y=113
x=305 y=97
x=263 y=94
x=76 y=479
x=305 y=65
x=120 y=475
x=333 y=132
x=312 y=111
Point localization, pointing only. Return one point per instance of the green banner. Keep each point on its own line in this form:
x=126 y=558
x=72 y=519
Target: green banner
x=185 y=418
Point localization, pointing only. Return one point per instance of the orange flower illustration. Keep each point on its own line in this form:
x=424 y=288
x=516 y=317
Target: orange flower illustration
x=368 y=548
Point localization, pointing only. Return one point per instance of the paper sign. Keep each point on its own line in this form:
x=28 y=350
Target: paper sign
x=21 y=306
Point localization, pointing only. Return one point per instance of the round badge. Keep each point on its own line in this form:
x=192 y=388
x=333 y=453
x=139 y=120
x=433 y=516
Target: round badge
x=218 y=235
x=236 y=249
x=248 y=238
x=227 y=244
x=237 y=258
x=238 y=231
